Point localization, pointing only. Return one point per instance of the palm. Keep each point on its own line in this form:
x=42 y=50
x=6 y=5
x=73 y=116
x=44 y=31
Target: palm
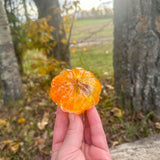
x=68 y=153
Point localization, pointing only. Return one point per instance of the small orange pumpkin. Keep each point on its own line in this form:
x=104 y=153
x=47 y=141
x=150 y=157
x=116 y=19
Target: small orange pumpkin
x=75 y=90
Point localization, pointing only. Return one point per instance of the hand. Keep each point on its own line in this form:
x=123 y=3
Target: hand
x=73 y=140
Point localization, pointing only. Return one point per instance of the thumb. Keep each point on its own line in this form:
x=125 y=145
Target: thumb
x=75 y=131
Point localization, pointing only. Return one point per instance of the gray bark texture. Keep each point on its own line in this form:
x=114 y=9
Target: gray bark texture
x=48 y=7
x=145 y=149
x=9 y=74
x=137 y=54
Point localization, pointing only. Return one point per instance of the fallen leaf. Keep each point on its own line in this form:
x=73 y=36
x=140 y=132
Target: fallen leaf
x=14 y=147
x=20 y=102
x=2 y=123
x=74 y=41
x=115 y=143
x=85 y=49
x=157 y=124
x=28 y=108
x=7 y=141
x=41 y=125
x=106 y=73
x=64 y=41
x=21 y=120
x=73 y=50
x=45 y=152
x=109 y=86
x=117 y=112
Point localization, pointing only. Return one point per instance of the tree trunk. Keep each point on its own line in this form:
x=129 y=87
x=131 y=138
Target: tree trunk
x=50 y=7
x=137 y=53
x=10 y=77
x=14 y=22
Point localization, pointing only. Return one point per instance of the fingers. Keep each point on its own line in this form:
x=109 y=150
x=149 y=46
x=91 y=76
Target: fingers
x=87 y=134
x=96 y=129
x=60 y=127
x=74 y=134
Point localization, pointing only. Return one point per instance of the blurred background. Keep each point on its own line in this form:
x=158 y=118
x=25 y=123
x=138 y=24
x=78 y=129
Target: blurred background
x=49 y=36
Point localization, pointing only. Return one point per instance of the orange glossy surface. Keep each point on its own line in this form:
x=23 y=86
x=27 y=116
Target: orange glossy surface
x=75 y=90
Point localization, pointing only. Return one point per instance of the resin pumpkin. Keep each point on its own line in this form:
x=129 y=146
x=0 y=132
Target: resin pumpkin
x=75 y=90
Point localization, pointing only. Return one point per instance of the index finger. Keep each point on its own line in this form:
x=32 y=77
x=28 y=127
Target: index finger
x=60 y=127
x=98 y=137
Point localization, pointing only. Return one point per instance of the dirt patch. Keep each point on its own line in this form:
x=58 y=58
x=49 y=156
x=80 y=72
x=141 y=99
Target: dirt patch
x=90 y=41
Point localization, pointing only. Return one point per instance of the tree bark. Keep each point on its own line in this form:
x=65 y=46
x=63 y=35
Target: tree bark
x=9 y=74
x=137 y=53
x=50 y=7
x=11 y=10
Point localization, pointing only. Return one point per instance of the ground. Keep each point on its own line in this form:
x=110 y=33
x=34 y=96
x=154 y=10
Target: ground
x=26 y=128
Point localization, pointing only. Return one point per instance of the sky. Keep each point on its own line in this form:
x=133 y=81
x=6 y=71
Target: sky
x=89 y=4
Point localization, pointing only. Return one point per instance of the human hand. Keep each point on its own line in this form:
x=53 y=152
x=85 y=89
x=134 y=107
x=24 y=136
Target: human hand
x=75 y=140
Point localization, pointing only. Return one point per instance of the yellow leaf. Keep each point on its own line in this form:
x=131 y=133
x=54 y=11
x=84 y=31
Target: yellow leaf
x=3 y=122
x=74 y=41
x=84 y=49
x=21 y=102
x=7 y=141
x=42 y=71
x=14 y=147
x=73 y=50
x=44 y=152
x=21 y=120
x=117 y=112
x=50 y=67
x=54 y=44
x=64 y=41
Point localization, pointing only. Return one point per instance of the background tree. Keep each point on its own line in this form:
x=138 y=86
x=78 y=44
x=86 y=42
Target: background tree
x=137 y=53
x=10 y=78
x=14 y=13
x=51 y=8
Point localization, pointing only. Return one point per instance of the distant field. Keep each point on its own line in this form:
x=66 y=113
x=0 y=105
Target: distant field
x=98 y=28
x=91 y=22
x=93 y=53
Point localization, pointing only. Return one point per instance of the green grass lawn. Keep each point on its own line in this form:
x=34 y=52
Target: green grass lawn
x=95 y=59
x=98 y=57
x=91 y=22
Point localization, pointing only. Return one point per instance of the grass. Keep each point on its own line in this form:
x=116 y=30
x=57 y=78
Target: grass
x=98 y=28
x=94 y=59
x=98 y=57
x=91 y=22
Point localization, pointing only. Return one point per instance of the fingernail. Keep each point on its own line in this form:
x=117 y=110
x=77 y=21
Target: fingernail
x=71 y=117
